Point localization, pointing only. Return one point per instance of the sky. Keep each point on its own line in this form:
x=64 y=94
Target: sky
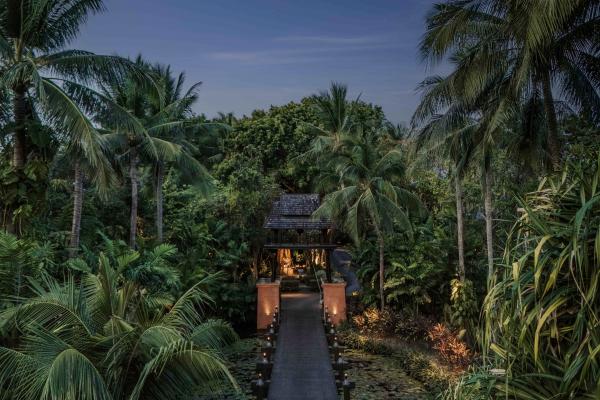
x=250 y=54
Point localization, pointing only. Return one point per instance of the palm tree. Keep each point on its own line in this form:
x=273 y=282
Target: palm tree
x=139 y=126
x=228 y=119
x=82 y=169
x=335 y=114
x=456 y=146
x=105 y=337
x=459 y=125
x=538 y=48
x=174 y=106
x=369 y=194
x=35 y=69
x=101 y=178
x=496 y=81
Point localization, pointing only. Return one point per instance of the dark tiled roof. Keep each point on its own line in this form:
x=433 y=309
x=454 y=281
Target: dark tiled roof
x=298 y=204
x=294 y=211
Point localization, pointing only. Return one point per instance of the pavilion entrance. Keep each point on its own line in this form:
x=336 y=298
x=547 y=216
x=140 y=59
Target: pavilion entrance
x=299 y=241
x=300 y=246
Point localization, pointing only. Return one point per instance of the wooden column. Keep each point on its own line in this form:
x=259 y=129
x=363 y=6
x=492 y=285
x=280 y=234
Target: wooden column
x=328 y=265
x=275 y=268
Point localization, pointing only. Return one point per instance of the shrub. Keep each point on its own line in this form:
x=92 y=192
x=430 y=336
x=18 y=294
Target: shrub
x=365 y=343
x=413 y=328
x=408 y=326
x=463 y=304
x=451 y=348
x=375 y=322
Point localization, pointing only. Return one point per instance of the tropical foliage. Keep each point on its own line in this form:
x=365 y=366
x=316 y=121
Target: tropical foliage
x=132 y=224
x=540 y=328
x=105 y=336
x=366 y=175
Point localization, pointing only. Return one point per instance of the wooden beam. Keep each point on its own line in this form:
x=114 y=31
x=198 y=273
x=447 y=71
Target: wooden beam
x=300 y=246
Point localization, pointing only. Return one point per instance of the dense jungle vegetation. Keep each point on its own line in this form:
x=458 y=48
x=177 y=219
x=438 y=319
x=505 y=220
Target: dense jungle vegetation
x=132 y=226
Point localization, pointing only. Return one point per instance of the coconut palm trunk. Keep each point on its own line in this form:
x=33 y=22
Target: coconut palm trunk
x=77 y=208
x=20 y=114
x=160 y=175
x=133 y=177
x=381 y=243
x=551 y=120
x=19 y=105
x=487 y=203
x=460 y=227
x=381 y=270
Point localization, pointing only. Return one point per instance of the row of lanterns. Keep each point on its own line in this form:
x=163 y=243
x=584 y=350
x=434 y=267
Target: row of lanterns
x=338 y=363
x=264 y=364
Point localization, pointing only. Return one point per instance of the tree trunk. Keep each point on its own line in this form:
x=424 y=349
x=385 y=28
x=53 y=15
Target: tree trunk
x=133 y=160
x=551 y=121
x=159 y=202
x=20 y=114
x=13 y=18
x=381 y=270
x=488 y=215
x=460 y=228
x=77 y=207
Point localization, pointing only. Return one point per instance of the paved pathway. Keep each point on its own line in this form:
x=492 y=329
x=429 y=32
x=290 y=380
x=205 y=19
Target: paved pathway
x=302 y=368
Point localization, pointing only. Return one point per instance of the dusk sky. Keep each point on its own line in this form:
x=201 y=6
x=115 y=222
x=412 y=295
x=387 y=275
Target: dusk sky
x=251 y=54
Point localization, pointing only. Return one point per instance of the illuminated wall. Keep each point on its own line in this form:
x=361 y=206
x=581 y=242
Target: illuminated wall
x=334 y=298
x=267 y=299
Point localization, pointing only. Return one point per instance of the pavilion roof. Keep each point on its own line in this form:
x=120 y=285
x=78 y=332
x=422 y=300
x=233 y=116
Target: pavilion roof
x=295 y=211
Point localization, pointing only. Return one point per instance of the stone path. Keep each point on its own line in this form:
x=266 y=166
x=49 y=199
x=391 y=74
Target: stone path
x=302 y=367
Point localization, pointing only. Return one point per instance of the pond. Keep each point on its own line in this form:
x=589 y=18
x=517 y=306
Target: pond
x=377 y=377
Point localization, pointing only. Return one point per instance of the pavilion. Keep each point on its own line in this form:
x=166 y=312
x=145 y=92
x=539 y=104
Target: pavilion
x=293 y=226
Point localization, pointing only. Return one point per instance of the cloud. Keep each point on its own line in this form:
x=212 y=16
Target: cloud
x=306 y=49
x=293 y=55
x=266 y=56
x=333 y=39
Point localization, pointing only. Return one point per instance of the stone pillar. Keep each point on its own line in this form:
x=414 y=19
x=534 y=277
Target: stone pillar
x=267 y=299
x=334 y=298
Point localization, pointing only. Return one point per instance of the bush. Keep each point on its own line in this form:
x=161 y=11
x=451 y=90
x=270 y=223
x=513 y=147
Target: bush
x=416 y=274
x=464 y=305
x=451 y=348
x=365 y=343
x=413 y=328
x=373 y=321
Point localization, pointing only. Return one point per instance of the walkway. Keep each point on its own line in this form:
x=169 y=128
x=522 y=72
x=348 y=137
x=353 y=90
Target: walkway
x=302 y=368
